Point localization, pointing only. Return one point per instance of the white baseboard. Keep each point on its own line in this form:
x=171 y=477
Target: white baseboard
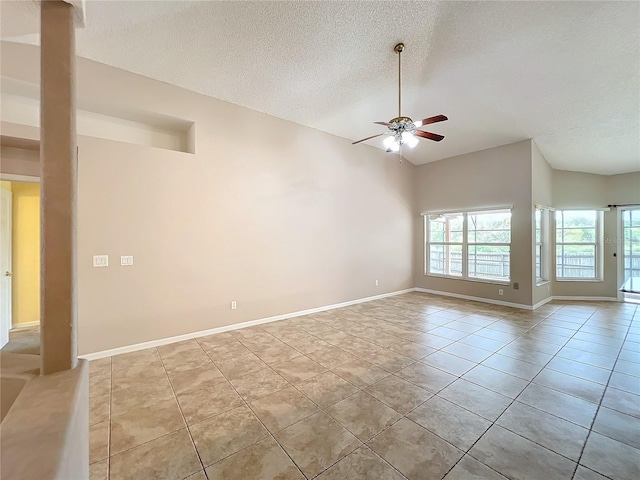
x=250 y=323
x=586 y=299
x=542 y=302
x=22 y=326
x=236 y=326
x=476 y=299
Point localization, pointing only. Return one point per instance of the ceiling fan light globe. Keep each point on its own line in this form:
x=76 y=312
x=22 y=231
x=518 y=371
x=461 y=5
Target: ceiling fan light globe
x=412 y=142
x=417 y=124
x=389 y=142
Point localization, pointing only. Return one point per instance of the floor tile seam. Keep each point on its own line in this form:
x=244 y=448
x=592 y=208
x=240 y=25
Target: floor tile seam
x=579 y=361
x=340 y=459
x=574 y=375
x=494 y=422
x=268 y=432
x=385 y=403
x=595 y=416
x=569 y=375
x=512 y=400
x=110 y=416
x=319 y=410
x=592 y=470
x=629 y=374
x=536 y=442
x=184 y=419
x=489 y=388
x=603 y=344
x=364 y=445
x=484 y=360
x=267 y=429
x=465 y=452
x=550 y=360
x=614 y=439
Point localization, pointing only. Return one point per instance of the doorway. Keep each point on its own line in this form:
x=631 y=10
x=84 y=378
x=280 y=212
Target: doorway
x=20 y=258
x=631 y=254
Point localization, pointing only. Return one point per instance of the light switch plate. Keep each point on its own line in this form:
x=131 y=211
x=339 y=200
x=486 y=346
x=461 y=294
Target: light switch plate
x=101 y=260
x=126 y=260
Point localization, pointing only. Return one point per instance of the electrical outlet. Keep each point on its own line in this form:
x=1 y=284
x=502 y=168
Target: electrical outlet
x=516 y=286
x=234 y=305
x=126 y=260
x=101 y=260
x=500 y=291
x=376 y=283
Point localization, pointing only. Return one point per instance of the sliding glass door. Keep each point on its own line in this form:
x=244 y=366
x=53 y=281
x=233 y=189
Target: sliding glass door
x=631 y=250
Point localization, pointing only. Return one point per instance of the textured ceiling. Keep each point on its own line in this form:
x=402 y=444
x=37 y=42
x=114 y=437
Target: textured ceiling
x=566 y=74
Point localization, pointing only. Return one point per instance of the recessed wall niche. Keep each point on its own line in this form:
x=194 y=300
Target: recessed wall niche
x=140 y=128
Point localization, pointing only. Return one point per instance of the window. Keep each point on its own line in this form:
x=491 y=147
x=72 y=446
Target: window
x=541 y=245
x=474 y=245
x=445 y=244
x=578 y=243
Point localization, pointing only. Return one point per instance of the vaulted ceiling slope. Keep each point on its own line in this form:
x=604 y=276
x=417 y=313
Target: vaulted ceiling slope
x=566 y=74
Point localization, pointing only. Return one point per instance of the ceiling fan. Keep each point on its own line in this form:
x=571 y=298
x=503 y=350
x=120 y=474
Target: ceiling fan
x=403 y=130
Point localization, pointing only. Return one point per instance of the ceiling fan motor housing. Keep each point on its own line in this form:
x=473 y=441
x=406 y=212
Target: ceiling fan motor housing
x=400 y=125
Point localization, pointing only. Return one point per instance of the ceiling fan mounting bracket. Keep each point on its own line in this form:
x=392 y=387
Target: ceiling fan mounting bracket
x=399 y=48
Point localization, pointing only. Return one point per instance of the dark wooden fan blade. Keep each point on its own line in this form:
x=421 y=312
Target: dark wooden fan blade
x=437 y=118
x=368 y=138
x=382 y=123
x=431 y=136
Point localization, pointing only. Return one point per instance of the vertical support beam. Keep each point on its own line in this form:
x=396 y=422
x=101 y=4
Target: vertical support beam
x=58 y=169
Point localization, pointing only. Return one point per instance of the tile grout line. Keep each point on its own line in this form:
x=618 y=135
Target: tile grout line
x=324 y=410
x=595 y=416
x=386 y=348
x=110 y=416
x=458 y=377
x=494 y=422
x=270 y=434
x=184 y=419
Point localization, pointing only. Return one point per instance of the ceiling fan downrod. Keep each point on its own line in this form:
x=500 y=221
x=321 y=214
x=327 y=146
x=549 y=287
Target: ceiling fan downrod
x=399 y=48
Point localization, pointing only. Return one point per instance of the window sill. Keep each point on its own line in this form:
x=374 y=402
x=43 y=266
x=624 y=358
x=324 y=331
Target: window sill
x=542 y=282
x=467 y=279
x=585 y=280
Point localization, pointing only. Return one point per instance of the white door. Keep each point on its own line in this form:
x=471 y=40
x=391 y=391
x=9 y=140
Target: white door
x=5 y=266
x=631 y=251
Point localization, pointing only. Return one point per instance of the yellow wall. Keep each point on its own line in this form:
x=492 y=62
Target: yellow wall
x=26 y=252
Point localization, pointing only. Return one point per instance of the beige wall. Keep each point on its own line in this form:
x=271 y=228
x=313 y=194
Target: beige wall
x=499 y=176
x=624 y=188
x=276 y=216
x=583 y=190
x=541 y=194
x=19 y=161
x=25 y=253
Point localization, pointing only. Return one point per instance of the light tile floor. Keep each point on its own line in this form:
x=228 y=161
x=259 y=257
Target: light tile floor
x=413 y=386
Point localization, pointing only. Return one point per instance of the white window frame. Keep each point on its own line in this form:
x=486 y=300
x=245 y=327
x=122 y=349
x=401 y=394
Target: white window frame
x=598 y=247
x=446 y=245
x=543 y=244
x=465 y=246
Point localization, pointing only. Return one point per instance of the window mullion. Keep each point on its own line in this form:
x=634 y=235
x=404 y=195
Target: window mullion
x=465 y=246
